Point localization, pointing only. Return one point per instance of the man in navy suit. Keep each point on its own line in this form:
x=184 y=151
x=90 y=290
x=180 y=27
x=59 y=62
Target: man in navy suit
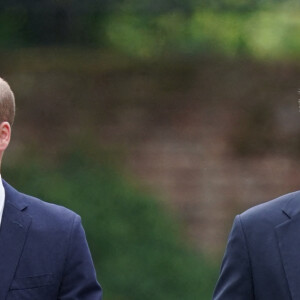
x=262 y=258
x=44 y=254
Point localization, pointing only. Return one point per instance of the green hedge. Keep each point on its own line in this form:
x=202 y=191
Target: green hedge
x=260 y=29
x=137 y=247
x=269 y=32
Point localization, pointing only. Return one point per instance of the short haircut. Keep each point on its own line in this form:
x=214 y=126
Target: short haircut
x=7 y=103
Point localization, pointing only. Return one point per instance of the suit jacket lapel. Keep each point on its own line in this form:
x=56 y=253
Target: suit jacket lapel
x=13 y=232
x=288 y=235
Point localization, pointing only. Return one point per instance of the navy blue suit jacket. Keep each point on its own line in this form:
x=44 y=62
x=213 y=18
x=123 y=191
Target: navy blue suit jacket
x=262 y=258
x=43 y=252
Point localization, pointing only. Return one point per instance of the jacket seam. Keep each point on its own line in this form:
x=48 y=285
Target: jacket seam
x=247 y=252
x=68 y=246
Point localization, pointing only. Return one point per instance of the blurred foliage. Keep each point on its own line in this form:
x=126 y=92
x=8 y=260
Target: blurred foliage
x=264 y=29
x=264 y=33
x=136 y=246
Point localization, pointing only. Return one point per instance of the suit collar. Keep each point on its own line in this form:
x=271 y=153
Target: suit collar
x=14 y=197
x=13 y=234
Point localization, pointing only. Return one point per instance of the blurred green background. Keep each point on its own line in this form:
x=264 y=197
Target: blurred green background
x=157 y=122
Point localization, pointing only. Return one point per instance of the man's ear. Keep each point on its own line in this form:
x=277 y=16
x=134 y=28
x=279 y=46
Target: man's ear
x=5 y=133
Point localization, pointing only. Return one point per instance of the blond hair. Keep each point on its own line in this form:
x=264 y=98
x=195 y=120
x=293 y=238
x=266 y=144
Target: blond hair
x=7 y=103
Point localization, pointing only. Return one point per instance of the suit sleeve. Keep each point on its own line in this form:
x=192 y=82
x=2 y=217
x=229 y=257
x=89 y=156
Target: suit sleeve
x=235 y=280
x=79 y=278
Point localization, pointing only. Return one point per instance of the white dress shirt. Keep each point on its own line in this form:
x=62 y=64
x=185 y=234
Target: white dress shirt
x=2 y=198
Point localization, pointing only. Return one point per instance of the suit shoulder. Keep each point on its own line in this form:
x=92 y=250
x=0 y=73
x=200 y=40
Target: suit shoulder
x=269 y=211
x=46 y=210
